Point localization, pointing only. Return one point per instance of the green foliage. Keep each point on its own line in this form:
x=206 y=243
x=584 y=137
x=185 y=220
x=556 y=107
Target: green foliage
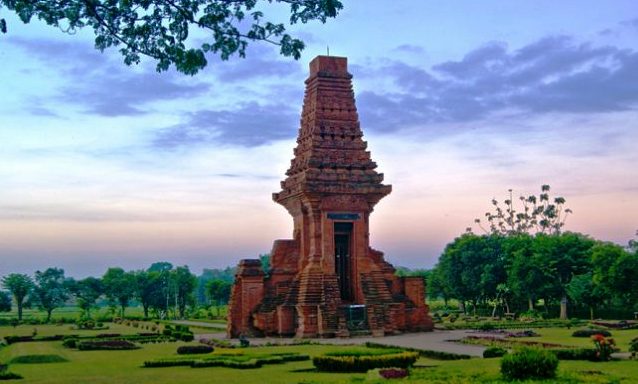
x=537 y=215
x=194 y=349
x=20 y=286
x=119 y=287
x=5 y=301
x=5 y=375
x=161 y=29
x=228 y=361
x=363 y=363
x=430 y=354
x=38 y=359
x=591 y=332
x=50 y=290
x=86 y=292
x=105 y=345
x=494 y=352
x=529 y=363
x=576 y=354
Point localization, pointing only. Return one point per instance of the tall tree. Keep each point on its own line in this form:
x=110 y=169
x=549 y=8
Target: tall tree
x=50 y=290
x=218 y=292
x=564 y=256
x=184 y=283
x=20 y=286
x=161 y=29
x=119 y=287
x=148 y=289
x=86 y=291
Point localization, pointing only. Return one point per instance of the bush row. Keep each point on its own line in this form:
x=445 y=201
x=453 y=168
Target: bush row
x=364 y=363
x=105 y=345
x=194 y=349
x=38 y=359
x=6 y=375
x=591 y=332
x=494 y=352
x=11 y=339
x=226 y=361
x=436 y=355
x=515 y=324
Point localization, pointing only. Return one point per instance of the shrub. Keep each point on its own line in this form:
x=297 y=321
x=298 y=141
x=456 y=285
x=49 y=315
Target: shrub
x=604 y=347
x=168 y=363
x=575 y=354
x=529 y=363
x=17 y=339
x=105 y=345
x=5 y=375
x=393 y=373
x=107 y=335
x=494 y=352
x=591 y=332
x=183 y=336
x=486 y=327
x=38 y=359
x=436 y=355
x=71 y=342
x=194 y=349
x=364 y=363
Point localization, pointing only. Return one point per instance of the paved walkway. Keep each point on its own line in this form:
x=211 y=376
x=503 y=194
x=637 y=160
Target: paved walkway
x=435 y=341
x=201 y=324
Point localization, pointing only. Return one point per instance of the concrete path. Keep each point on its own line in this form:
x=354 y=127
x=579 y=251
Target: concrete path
x=435 y=341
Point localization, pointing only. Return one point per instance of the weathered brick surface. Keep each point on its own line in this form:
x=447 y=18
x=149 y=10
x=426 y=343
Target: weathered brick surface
x=331 y=179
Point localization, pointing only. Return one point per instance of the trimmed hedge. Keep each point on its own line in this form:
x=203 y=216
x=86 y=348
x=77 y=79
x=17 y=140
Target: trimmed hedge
x=364 y=363
x=9 y=376
x=194 y=349
x=226 y=361
x=529 y=363
x=494 y=352
x=575 y=354
x=591 y=332
x=105 y=345
x=12 y=339
x=436 y=355
x=38 y=359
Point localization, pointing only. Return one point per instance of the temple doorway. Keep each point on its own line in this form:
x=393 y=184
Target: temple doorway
x=343 y=262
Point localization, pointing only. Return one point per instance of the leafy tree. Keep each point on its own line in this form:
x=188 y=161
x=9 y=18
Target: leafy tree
x=119 y=287
x=471 y=267
x=5 y=301
x=160 y=266
x=564 y=256
x=537 y=215
x=20 y=286
x=527 y=276
x=148 y=289
x=86 y=291
x=161 y=29
x=184 y=285
x=218 y=292
x=583 y=290
x=227 y=274
x=50 y=290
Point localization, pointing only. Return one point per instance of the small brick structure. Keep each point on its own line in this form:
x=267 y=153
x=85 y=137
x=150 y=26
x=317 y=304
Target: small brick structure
x=327 y=281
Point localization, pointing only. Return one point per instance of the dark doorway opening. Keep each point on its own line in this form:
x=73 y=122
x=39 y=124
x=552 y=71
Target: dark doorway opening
x=343 y=262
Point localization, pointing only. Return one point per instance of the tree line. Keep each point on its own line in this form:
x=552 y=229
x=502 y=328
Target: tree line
x=524 y=258
x=161 y=290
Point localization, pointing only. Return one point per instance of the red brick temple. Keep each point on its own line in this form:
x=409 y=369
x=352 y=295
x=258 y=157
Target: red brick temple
x=327 y=281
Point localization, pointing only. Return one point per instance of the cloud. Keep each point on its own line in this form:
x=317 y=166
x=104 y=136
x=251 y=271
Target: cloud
x=96 y=83
x=552 y=75
x=249 y=125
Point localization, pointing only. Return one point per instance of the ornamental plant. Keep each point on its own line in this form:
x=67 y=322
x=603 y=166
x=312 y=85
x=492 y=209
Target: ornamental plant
x=529 y=363
x=604 y=347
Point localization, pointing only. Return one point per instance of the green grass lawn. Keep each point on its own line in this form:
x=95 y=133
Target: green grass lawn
x=126 y=366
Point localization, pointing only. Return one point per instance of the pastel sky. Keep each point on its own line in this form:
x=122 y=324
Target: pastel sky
x=107 y=165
